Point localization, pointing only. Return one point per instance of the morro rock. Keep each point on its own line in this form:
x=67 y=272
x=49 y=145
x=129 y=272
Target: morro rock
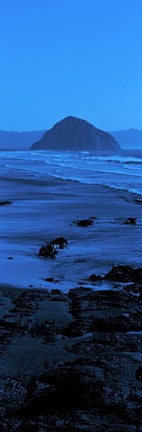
x=73 y=133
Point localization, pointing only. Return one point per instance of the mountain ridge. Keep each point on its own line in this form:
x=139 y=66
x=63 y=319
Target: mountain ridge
x=129 y=138
x=13 y=140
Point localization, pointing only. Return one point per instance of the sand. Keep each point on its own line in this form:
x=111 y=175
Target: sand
x=71 y=348
x=42 y=211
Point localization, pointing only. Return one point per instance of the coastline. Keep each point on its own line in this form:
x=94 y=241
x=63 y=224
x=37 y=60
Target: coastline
x=42 y=210
x=71 y=347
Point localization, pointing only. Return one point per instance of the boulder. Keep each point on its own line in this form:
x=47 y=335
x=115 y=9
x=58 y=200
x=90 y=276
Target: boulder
x=59 y=242
x=51 y=280
x=130 y=221
x=120 y=273
x=48 y=251
x=84 y=223
x=5 y=203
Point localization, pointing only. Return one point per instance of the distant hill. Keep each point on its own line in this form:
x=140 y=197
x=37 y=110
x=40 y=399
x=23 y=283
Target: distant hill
x=129 y=139
x=18 y=140
x=72 y=133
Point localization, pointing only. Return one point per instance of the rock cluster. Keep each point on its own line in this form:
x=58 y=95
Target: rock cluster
x=50 y=250
x=121 y=273
x=90 y=377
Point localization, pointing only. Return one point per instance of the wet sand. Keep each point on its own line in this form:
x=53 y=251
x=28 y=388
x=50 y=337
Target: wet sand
x=70 y=358
x=42 y=211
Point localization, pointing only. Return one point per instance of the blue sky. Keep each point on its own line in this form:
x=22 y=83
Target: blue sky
x=70 y=57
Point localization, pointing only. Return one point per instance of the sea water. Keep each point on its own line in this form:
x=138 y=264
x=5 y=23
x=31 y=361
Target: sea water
x=121 y=171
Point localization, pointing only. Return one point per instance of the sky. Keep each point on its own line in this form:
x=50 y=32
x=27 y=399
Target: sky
x=70 y=57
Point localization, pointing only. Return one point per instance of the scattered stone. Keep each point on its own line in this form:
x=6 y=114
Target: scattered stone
x=50 y=279
x=50 y=250
x=130 y=221
x=121 y=273
x=60 y=242
x=5 y=203
x=138 y=200
x=85 y=222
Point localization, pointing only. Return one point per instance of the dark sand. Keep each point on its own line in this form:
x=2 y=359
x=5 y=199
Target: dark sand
x=70 y=360
x=42 y=211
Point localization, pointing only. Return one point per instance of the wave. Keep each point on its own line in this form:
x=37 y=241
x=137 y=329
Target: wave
x=118 y=172
x=136 y=193
x=134 y=162
x=120 y=160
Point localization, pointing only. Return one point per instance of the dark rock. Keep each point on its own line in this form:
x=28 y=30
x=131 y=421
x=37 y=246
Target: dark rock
x=65 y=389
x=72 y=133
x=90 y=380
x=130 y=221
x=51 y=280
x=139 y=373
x=120 y=273
x=5 y=203
x=75 y=329
x=56 y=291
x=77 y=293
x=132 y=288
x=138 y=275
x=84 y=223
x=95 y=278
x=138 y=200
x=60 y=242
x=45 y=330
x=48 y=251
x=10 y=258
x=119 y=323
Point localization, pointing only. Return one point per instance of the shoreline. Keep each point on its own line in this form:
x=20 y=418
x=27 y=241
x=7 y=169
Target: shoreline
x=71 y=350
x=44 y=210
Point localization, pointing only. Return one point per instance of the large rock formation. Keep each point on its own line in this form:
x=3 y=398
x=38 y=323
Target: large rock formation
x=73 y=133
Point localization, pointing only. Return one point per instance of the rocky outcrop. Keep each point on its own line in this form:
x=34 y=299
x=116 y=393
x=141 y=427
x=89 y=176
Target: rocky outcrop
x=123 y=273
x=73 y=133
x=71 y=362
x=50 y=250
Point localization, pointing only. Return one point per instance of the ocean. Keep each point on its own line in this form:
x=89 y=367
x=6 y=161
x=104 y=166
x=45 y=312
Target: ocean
x=121 y=171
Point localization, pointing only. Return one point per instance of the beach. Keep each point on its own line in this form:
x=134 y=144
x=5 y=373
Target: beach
x=42 y=210
x=63 y=332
